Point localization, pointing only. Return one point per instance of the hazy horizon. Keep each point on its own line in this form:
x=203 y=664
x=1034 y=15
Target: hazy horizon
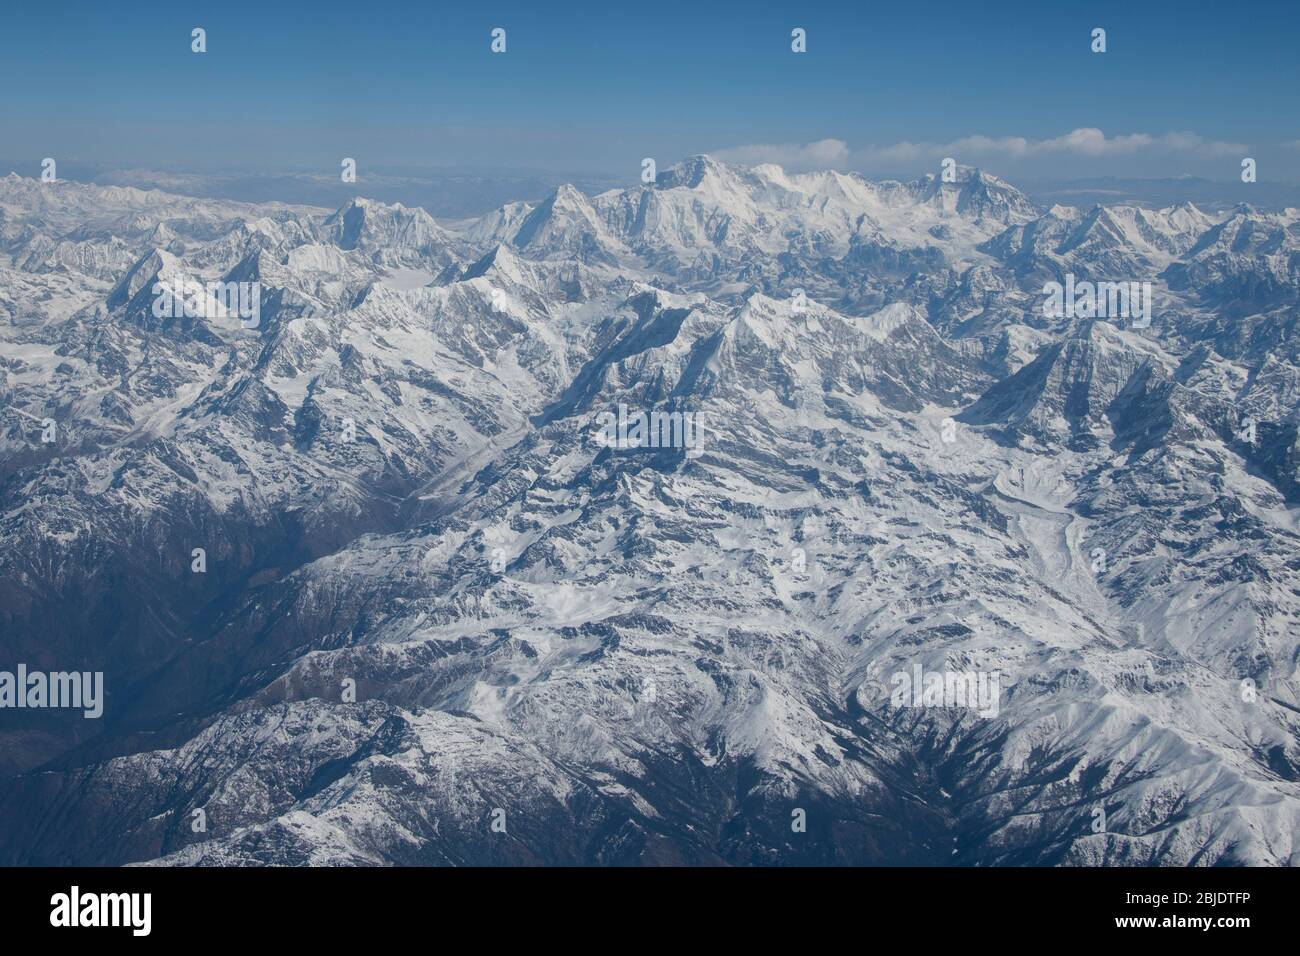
x=468 y=191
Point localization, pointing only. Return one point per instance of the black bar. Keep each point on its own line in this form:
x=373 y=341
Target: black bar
x=333 y=906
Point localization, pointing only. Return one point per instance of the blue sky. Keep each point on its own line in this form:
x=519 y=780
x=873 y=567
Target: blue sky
x=1184 y=88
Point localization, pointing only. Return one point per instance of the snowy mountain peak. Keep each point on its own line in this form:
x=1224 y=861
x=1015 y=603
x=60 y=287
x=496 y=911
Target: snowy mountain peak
x=692 y=172
x=153 y=266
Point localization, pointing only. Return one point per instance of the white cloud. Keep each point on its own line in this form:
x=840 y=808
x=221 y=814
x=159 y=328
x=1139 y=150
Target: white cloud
x=823 y=154
x=1085 y=141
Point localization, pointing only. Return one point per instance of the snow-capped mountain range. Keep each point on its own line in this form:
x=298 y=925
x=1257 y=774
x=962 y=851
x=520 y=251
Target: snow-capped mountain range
x=439 y=620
